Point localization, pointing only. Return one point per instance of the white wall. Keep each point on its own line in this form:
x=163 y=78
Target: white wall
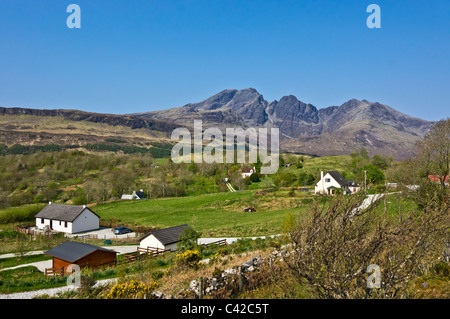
x=84 y=222
x=57 y=225
x=321 y=186
x=151 y=241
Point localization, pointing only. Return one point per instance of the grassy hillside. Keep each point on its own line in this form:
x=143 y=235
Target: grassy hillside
x=40 y=127
x=213 y=214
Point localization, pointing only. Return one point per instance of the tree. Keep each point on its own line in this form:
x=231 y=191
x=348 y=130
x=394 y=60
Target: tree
x=433 y=156
x=364 y=153
x=373 y=174
x=188 y=239
x=359 y=159
x=120 y=180
x=300 y=161
x=96 y=191
x=254 y=177
x=381 y=162
x=333 y=248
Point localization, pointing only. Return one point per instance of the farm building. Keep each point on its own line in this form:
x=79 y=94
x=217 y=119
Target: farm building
x=167 y=238
x=332 y=181
x=67 y=218
x=135 y=195
x=83 y=255
x=439 y=178
x=246 y=172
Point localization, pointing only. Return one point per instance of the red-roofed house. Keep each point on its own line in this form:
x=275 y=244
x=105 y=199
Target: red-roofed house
x=246 y=172
x=437 y=178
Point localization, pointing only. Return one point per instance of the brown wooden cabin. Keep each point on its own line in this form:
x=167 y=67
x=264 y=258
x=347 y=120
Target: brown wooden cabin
x=83 y=255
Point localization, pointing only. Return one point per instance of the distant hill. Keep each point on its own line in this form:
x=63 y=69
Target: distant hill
x=335 y=130
x=36 y=127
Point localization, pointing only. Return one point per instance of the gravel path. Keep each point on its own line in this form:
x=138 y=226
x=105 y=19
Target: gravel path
x=50 y=292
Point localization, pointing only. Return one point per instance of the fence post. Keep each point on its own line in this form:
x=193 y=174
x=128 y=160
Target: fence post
x=241 y=279
x=200 y=289
x=271 y=267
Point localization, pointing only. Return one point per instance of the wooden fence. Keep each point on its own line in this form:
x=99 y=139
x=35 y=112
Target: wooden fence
x=31 y=230
x=152 y=251
x=48 y=272
x=221 y=242
x=141 y=253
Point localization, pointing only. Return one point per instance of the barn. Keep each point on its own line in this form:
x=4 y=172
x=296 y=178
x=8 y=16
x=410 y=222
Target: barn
x=166 y=238
x=83 y=255
x=67 y=218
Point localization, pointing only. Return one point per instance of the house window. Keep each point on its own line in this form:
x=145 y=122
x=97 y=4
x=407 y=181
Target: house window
x=42 y=220
x=327 y=180
x=65 y=224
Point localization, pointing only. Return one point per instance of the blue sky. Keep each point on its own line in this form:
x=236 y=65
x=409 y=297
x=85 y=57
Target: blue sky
x=136 y=56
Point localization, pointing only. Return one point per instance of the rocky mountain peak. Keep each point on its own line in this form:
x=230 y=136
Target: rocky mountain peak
x=304 y=128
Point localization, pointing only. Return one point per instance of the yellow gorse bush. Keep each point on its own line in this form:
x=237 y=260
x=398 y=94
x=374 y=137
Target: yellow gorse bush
x=133 y=289
x=189 y=258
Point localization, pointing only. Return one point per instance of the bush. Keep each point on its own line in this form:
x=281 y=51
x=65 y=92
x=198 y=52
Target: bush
x=10 y=234
x=442 y=268
x=132 y=290
x=189 y=258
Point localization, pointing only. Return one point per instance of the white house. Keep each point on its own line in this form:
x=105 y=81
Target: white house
x=166 y=238
x=332 y=181
x=134 y=195
x=246 y=172
x=67 y=218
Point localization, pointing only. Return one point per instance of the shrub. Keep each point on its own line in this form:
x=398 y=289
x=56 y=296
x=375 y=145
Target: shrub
x=157 y=275
x=189 y=258
x=442 y=268
x=132 y=290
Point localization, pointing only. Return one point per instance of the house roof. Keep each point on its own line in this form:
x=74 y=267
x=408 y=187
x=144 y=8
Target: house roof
x=353 y=184
x=167 y=235
x=437 y=178
x=247 y=170
x=67 y=213
x=138 y=195
x=72 y=251
x=338 y=178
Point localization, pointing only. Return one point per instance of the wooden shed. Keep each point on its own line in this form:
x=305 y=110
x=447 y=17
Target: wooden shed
x=83 y=255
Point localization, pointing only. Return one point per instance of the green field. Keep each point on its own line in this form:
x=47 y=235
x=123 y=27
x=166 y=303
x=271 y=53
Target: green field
x=213 y=214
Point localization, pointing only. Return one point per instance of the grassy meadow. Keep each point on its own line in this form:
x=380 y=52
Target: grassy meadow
x=214 y=215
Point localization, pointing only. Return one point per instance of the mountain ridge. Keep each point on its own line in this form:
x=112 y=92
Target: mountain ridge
x=334 y=130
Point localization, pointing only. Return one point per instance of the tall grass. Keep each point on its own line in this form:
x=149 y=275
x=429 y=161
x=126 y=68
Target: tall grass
x=19 y=214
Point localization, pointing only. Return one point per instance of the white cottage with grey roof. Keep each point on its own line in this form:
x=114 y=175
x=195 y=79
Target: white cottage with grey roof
x=333 y=181
x=166 y=238
x=67 y=218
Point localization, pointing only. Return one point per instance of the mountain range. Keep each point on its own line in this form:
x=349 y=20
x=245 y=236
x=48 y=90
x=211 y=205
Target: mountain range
x=334 y=130
x=305 y=129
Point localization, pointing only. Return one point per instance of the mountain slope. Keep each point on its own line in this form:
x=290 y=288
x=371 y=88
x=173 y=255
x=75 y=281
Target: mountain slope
x=335 y=130
x=71 y=127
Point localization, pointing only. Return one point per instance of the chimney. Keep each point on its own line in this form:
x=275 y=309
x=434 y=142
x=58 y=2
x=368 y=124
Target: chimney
x=84 y=206
x=323 y=181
